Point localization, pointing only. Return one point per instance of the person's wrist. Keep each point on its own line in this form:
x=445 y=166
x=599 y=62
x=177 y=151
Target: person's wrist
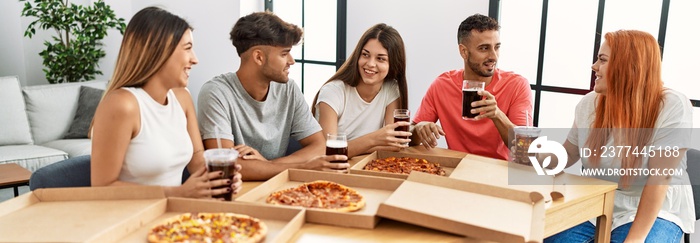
x=306 y=165
x=171 y=191
x=499 y=116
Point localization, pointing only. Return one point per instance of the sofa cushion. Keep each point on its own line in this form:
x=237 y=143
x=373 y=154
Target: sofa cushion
x=14 y=126
x=31 y=157
x=74 y=147
x=51 y=108
x=87 y=104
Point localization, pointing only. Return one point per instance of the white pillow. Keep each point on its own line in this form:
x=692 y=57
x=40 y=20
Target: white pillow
x=51 y=108
x=14 y=126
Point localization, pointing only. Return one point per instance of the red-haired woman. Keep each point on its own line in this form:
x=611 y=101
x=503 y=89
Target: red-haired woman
x=631 y=110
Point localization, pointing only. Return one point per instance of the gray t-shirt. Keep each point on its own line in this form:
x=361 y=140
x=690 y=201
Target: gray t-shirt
x=265 y=126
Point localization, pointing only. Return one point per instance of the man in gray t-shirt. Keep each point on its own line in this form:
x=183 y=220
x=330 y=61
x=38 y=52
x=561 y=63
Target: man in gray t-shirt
x=266 y=126
x=258 y=109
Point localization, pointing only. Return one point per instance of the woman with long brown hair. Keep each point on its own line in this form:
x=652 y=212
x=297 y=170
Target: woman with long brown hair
x=647 y=125
x=360 y=98
x=145 y=127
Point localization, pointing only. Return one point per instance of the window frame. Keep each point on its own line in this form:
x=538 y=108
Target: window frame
x=341 y=38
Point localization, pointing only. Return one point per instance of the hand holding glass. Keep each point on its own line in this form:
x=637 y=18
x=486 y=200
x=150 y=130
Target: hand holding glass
x=337 y=144
x=402 y=115
x=223 y=160
x=470 y=89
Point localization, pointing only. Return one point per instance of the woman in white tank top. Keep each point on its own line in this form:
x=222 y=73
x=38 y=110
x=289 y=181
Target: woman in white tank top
x=145 y=128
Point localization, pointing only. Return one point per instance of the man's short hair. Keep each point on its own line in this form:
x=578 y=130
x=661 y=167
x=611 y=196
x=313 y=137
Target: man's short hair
x=263 y=28
x=476 y=22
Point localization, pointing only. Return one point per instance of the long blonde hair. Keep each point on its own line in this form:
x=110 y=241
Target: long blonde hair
x=149 y=40
x=634 y=97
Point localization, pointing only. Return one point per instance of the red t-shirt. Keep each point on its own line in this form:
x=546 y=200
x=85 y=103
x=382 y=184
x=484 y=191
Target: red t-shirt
x=443 y=101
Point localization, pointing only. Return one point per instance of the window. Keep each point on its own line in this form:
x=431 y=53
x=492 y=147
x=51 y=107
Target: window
x=681 y=49
x=555 y=54
x=322 y=50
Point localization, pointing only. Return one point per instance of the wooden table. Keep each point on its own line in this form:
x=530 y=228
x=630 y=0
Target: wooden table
x=13 y=175
x=581 y=202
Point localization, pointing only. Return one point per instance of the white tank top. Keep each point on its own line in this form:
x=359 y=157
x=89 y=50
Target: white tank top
x=162 y=148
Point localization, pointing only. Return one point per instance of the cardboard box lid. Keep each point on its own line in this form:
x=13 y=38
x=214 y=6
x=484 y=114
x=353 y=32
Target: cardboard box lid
x=90 y=214
x=374 y=189
x=119 y=214
x=467 y=208
x=510 y=175
x=448 y=163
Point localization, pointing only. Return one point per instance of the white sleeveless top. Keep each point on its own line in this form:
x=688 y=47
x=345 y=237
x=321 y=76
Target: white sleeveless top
x=158 y=154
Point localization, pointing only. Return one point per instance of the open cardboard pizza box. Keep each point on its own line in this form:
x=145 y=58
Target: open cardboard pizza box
x=510 y=175
x=447 y=163
x=480 y=211
x=374 y=189
x=119 y=214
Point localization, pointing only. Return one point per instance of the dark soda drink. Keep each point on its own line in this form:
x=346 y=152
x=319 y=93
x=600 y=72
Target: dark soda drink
x=223 y=160
x=522 y=144
x=400 y=118
x=469 y=96
x=229 y=170
x=337 y=147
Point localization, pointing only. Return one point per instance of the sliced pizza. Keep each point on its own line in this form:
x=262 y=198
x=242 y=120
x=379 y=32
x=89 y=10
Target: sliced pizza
x=319 y=194
x=209 y=227
x=404 y=165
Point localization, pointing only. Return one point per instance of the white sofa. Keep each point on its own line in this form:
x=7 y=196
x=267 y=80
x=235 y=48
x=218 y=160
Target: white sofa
x=34 y=120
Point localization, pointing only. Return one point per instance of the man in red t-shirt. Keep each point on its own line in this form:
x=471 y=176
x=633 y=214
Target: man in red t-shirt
x=507 y=97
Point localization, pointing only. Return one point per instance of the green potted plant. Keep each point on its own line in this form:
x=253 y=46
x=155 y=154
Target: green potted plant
x=75 y=51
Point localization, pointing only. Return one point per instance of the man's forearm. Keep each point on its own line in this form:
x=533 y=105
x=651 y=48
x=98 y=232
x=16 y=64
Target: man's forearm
x=255 y=170
x=302 y=155
x=504 y=125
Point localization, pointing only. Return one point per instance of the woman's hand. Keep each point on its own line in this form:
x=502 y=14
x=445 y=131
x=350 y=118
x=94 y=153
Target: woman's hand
x=201 y=182
x=237 y=180
x=387 y=136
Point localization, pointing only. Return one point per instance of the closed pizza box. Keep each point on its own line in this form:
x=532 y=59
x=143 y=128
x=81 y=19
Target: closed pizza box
x=510 y=175
x=374 y=189
x=476 y=210
x=447 y=163
x=118 y=214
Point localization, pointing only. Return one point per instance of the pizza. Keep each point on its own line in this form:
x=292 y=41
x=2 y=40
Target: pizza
x=404 y=165
x=209 y=227
x=319 y=194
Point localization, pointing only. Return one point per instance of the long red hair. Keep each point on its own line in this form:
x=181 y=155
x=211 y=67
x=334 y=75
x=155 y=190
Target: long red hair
x=634 y=96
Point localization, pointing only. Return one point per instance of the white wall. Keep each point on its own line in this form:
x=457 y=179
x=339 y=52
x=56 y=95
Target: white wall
x=211 y=22
x=429 y=32
x=20 y=55
x=211 y=19
x=11 y=51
